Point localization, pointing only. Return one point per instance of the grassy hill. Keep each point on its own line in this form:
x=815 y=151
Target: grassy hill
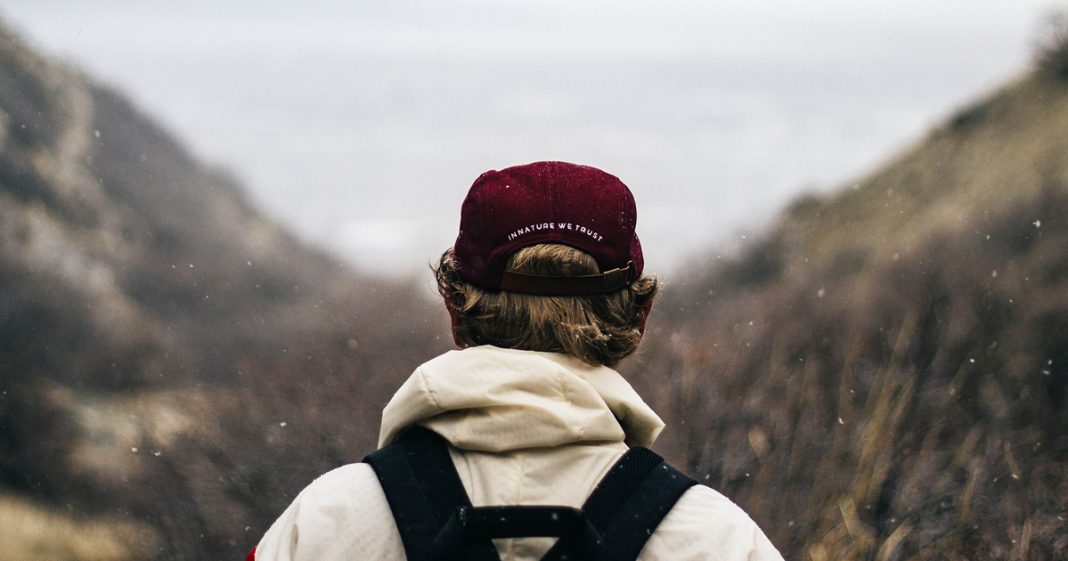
x=1003 y=149
x=883 y=374
x=163 y=345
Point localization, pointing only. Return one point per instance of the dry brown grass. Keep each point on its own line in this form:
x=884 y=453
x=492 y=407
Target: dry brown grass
x=885 y=375
x=31 y=532
x=908 y=408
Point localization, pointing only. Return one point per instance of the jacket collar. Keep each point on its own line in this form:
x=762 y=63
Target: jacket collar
x=496 y=400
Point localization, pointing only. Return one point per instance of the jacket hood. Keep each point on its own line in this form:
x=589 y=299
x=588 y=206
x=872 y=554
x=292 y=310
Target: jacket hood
x=495 y=400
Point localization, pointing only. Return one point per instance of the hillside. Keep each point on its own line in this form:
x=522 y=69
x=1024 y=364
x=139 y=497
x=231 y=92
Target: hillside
x=1003 y=149
x=883 y=374
x=163 y=345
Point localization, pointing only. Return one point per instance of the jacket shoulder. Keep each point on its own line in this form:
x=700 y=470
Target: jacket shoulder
x=705 y=525
x=342 y=511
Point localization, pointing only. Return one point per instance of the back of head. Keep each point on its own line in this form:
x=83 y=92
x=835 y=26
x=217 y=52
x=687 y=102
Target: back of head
x=547 y=260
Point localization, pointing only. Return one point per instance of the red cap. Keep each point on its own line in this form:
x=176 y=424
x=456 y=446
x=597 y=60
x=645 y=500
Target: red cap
x=548 y=202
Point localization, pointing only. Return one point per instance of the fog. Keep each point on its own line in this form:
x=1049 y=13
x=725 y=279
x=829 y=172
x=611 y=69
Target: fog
x=361 y=126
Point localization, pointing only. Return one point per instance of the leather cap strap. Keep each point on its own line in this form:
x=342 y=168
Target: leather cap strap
x=585 y=285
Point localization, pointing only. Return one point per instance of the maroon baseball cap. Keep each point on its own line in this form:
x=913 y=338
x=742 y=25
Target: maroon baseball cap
x=548 y=202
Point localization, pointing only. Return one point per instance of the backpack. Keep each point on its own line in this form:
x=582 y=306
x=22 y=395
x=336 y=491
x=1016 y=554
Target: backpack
x=438 y=523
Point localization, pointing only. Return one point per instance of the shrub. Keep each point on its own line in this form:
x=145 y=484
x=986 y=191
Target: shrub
x=1051 y=51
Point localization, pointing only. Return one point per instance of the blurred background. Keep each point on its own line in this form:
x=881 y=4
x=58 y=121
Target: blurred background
x=359 y=124
x=215 y=222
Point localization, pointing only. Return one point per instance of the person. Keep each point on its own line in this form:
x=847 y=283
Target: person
x=545 y=291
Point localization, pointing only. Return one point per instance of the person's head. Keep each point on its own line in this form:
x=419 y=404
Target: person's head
x=547 y=260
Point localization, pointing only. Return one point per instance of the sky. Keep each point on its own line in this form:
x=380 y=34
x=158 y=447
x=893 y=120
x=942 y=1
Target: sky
x=361 y=125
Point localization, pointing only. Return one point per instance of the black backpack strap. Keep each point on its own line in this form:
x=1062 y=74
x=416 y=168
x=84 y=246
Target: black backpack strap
x=424 y=491
x=437 y=522
x=629 y=503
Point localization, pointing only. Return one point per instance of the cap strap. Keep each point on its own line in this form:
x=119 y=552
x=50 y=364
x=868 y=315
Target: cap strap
x=585 y=285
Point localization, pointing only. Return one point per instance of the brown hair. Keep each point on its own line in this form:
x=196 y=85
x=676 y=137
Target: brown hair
x=598 y=329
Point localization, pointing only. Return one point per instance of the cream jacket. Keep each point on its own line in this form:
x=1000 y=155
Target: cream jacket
x=525 y=428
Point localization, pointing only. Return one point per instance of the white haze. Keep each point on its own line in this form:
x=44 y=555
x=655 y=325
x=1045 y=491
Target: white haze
x=361 y=126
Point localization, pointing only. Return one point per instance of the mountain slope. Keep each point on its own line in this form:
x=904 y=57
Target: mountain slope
x=163 y=345
x=1006 y=147
x=884 y=374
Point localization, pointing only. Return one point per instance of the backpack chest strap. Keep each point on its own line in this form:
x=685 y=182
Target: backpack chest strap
x=629 y=503
x=436 y=520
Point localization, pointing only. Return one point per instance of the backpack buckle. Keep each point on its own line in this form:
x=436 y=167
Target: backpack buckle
x=474 y=525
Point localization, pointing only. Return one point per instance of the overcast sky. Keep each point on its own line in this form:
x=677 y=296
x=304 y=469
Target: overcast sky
x=362 y=124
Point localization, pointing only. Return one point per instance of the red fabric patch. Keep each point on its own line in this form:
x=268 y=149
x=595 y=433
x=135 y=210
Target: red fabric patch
x=251 y=555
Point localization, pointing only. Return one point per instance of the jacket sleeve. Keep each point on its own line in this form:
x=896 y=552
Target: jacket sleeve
x=342 y=512
x=706 y=526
